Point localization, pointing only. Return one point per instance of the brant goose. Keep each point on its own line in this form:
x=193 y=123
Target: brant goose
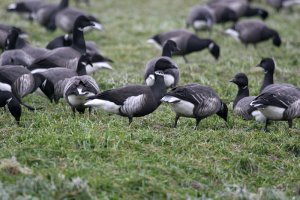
x=171 y=74
x=26 y=8
x=18 y=51
x=77 y=90
x=268 y=66
x=187 y=42
x=45 y=15
x=241 y=104
x=5 y=30
x=98 y=60
x=279 y=4
x=65 y=19
x=65 y=56
x=56 y=78
x=253 y=32
x=278 y=102
x=132 y=100
x=14 y=107
x=200 y=18
x=195 y=101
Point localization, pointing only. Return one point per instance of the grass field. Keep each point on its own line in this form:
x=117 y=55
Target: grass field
x=100 y=157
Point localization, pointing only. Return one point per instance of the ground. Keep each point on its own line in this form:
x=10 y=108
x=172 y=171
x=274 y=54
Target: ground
x=53 y=155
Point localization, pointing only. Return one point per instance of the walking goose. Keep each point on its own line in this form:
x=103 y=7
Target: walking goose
x=65 y=56
x=99 y=61
x=187 y=42
x=132 y=100
x=195 y=101
x=241 y=104
x=278 y=102
x=65 y=19
x=14 y=107
x=77 y=90
x=45 y=15
x=57 y=78
x=200 y=18
x=18 y=51
x=253 y=32
x=171 y=72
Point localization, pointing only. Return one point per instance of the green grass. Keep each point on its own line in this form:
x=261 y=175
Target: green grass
x=149 y=159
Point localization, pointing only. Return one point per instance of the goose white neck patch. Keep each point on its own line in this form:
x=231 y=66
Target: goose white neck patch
x=211 y=46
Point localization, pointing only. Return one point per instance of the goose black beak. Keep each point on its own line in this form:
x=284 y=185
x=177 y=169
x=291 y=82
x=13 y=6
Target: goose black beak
x=232 y=80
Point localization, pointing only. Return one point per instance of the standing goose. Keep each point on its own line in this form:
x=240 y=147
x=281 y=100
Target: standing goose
x=253 y=32
x=45 y=15
x=278 y=102
x=132 y=100
x=18 y=80
x=27 y=8
x=14 y=107
x=200 y=18
x=65 y=19
x=195 y=101
x=65 y=56
x=268 y=66
x=223 y=14
x=98 y=60
x=77 y=90
x=241 y=104
x=187 y=42
x=18 y=51
x=241 y=8
x=57 y=78
x=171 y=72
x=5 y=30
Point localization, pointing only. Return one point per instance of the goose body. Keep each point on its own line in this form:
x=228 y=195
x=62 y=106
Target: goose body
x=27 y=8
x=200 y=18
x=279 y=4
x=65 y=19
x=5 y=30
x=14 y=107
x=65 y=56
x=241 y=104
x=19 y=80
x=167 y=66
x=278 y=102
x=132 y=100
x=187 y=42
x=78 y=89
x=195 y=101
x=253 y=32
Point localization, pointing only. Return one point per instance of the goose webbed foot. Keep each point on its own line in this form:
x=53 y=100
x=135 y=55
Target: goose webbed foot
x=176 y=121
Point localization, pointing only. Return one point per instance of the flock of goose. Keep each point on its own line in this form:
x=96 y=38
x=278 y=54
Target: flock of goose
x=63 y=68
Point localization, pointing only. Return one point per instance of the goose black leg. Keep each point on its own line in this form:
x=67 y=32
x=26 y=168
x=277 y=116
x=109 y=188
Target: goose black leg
x=130 y=120
x=90 y=110
x=290 y=122
x=176 y=120
x=74 y=111
x=185 y=59
x=197 y=123
x=266 y=125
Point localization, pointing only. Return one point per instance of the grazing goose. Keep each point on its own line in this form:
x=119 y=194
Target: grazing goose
x=171 y=72
x=241 y=8
x=187 y=42
x=14 y=107
x=18 y=80
x=241 y=104
x=278 y=102
x=5 y=31
x=200 y=18
x=253 y=32
x=57 y=78
x=223 y=13
x=77 y=90
x=26 y=8
x=45 y=15
x=18 y=51
x=279 y=4
x=65 y=56
x=195 y=101
x=65 y=19
x=98 y=60
x=132 y=100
